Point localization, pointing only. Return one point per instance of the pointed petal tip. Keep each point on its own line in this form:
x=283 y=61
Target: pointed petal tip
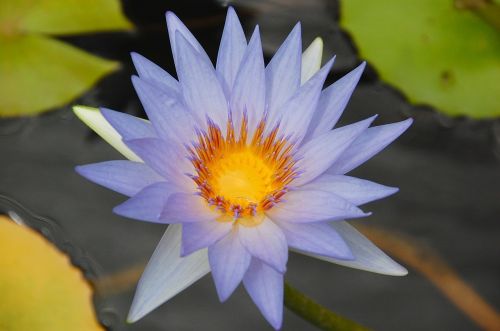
x=395 y=270
x=137 y=59
x=223 y=295
x=81 y=111
x=230 y=10
x=131 y=320
x=408 y=121
x=317 y=42
x=402 y=271
x=169 y=15
x=82 y=170
x=276 y=320
x=358 y=71
x=329 y=64
x=118 y=210
x=136 y=313
x=391 y=190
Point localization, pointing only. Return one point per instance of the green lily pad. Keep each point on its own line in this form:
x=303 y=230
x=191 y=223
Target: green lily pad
x=436 y=53
x=58 y=17
x=38 y=73
x=49 y=74
x=41 y=289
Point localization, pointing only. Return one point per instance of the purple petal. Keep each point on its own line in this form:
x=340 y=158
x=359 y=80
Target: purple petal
x=175 y=26
x=367 y=145
x=265 y=287
x=167 y=274
x=266 y=242
x=168 y=115
x=187 y=208
x=231 y=50
x=201 y=88
x=297 y=112
x=316 y=238
x=332 y=103
x=125 y=177
x=283 y=71
x=166 y=159
x=367 y=256
x=318 y=154
x=355 y=190
x=229 y=261
x=151 y=72
x=202 y=234
x=148 y=204
x=128 y=126
x=313 y=206
x=249 y=92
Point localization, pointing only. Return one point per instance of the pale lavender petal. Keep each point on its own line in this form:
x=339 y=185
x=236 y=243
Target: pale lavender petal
x=367 y=145
x=128 y=126
x=265 y=287
x=311 y=59
x=229 y=261
x=302 y=206
x=167 y=274
x=166 y=159
x=315 y=238
x=125 y=177
x=295 y=114
x=266 y=242
x=283 y=72
x=367 y=256
x=153 y=73
x=168 y=115
x=200 y=86
x=231 y=50
x=175 y=26
x=148 y=204
x=187 y=208
x=96 y=121
x=199 y=235
x=332 y=103
x=249 y=92
x=355 y=190
x=318 y=154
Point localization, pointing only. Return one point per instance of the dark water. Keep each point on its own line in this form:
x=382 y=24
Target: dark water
x=448 y=171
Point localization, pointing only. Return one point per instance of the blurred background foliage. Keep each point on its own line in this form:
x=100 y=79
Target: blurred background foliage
x=442 y=53
x=41 y=289
x=39 y=72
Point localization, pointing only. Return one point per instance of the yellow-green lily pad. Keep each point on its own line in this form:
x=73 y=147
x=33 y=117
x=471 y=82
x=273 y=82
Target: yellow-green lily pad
x=40 y=289
x=436 y=53
x=63 y=17
x=38 y=73
x=50 y=73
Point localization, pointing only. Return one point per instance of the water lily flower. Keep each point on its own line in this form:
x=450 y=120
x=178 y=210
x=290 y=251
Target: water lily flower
x=242 y=162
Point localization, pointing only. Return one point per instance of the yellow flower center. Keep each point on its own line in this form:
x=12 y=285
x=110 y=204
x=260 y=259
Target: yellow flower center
x=242 y=177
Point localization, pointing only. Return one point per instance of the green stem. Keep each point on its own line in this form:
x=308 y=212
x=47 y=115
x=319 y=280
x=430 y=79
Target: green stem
x=317 y=314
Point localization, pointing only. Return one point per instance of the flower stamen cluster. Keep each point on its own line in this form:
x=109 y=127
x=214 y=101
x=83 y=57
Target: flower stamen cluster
x=242 y=176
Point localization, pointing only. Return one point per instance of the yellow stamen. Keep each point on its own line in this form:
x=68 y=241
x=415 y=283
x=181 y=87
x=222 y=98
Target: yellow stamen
x=242 y=179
